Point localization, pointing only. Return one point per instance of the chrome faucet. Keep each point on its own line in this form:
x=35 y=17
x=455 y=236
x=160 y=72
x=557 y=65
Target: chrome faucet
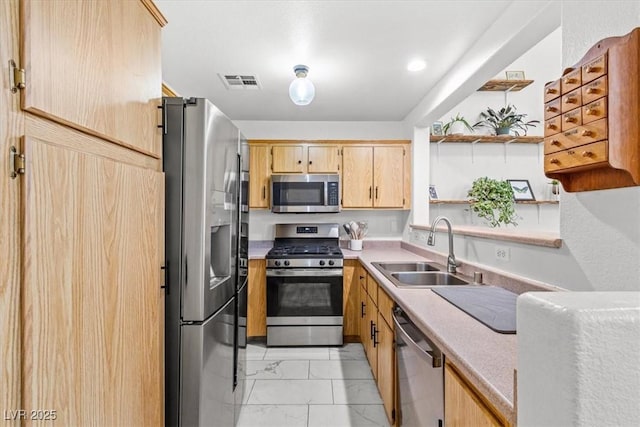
x=451 y=260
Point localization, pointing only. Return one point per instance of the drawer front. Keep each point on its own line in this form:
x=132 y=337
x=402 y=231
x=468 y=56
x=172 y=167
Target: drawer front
x=594 y=110
x=553 y=126
x=552 y=108
x=581 y=135
x=571 y=81
x=385 y=306
x=584 y=155
x=551 y=90
x=594 y=90
x=372 y=289
x=571 y=100
x=594 y=69
x=571 y=119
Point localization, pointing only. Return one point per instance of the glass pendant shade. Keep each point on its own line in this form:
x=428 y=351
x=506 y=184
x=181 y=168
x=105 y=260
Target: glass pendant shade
x=301 y=90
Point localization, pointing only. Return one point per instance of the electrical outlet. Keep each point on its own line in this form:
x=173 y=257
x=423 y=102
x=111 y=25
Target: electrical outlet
x=502 y=253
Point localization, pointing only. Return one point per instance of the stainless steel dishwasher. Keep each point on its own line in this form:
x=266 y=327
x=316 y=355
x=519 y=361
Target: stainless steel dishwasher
x=420 y=375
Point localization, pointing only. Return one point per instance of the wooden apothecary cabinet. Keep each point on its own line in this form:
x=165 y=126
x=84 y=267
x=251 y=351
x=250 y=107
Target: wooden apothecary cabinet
x=592 y=131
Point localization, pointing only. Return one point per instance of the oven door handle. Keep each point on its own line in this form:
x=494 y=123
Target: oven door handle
x=304 y=272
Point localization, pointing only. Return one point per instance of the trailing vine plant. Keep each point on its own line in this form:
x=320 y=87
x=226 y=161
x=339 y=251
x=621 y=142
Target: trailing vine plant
x=490 y=197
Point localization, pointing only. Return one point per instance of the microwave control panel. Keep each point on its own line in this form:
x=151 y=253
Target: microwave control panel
x=332 y=193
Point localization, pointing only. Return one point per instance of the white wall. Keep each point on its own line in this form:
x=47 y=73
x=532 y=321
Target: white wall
x=383 y=224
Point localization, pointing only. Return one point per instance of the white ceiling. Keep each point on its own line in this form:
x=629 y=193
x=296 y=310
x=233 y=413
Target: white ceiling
x=357 y=52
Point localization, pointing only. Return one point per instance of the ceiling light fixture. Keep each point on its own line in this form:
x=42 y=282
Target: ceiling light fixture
x=416 y=65
x=301 y=90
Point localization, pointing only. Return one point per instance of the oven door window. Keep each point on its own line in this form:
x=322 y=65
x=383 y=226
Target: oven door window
x=304 y=296
x=299 y=193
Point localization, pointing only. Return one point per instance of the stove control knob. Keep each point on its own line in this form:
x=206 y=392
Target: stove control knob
x=287 y=263
x=277 y=263
x=331 y=262
x=321 y=262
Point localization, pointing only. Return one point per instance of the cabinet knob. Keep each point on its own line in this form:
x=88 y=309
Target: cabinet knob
x=569 y=80
x=551 y=126
x=592 y=90
x=310 y=162
x=587 y=133
x=570 y=100
x=554 y=161
x=592 y=69
x=555 y=142
x=550 y=109
x=591 y=112
x=299 y=162
x=551 y=90
x=587 y=153
x=570 y=119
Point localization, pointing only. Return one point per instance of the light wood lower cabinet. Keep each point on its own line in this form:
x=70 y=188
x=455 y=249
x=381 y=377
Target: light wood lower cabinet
x=463 y=406
x=386 y=366
x=350 y=294
x=257 y=299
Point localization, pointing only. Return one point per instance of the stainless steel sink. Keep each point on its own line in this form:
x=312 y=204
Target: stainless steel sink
x=426 y=279
x=406 y=266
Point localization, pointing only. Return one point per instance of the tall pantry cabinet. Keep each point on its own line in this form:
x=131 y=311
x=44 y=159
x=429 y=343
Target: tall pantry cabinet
x=81 y=303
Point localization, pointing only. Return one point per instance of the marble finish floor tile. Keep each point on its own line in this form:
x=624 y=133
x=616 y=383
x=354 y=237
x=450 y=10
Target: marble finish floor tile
x=351 y=351
x=355 y=392
x=347 y=416
x=297 y=353
x=273 y=416
x=277 y=369
x=255 y=351
x=291 y=392
x=340 y=369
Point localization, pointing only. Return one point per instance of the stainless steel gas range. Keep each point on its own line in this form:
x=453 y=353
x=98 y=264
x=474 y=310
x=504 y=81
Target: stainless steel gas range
x=304 y=286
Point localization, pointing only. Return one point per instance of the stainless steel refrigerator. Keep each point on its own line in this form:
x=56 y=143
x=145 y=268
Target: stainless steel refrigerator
x=206 y=237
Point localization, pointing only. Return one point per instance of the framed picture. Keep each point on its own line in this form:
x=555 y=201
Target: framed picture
x=436 y=129
x=433 y=194
x=521 y=189
x=515 y=75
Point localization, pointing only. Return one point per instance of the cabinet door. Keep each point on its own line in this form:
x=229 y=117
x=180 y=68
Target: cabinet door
x=386 y=367
x=388 y=177
x=462 y=406
x=259 y=176
x=357 y=177
x=350 y=301
x=93 y=323
x=363 y=309
x=372 y=325
x=323 y=159
x=257 y=299
x=287 y=159
x=102 y=74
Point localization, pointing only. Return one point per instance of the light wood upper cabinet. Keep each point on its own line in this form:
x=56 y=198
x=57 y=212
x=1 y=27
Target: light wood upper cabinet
x=97 y=69
x=287 y=159
x=357 y=176
x=323 y=159
x=259 y=175
x=373 y=177
x=92 y=303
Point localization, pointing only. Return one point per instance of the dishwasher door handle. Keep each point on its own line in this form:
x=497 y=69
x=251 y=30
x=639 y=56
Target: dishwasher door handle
x=435 y=361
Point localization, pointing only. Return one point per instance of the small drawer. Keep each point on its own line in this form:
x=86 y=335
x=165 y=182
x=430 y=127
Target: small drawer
x=571 y=100
x=552 y=126
x=594 y=69
x=581 y=135
x=372 y=289
x=594 y=90
x=551 y=90
x=571 y=119
x=552 y=108
x=570 y=81
x=578 y=157
x=594 y=110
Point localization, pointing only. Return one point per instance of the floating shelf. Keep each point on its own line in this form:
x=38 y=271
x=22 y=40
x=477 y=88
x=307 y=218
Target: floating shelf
x=523 y=202
x=499 y=139
x=505 y=85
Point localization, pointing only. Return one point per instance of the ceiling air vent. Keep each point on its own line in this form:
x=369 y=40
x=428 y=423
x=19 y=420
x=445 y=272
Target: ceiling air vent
x=240 y=81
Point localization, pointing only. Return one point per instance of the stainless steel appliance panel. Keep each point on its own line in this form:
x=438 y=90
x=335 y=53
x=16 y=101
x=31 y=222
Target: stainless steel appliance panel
x=210 y=197
x=207 y=370
x=240 y=353
x=420 y=376
x=304 y=335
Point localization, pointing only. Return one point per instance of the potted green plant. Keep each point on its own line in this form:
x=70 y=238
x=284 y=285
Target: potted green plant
x=505 y=120
x=456 y=126
x=492 y=200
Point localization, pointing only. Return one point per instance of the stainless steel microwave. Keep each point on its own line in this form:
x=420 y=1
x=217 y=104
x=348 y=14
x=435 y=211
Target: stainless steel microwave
x=310 y=193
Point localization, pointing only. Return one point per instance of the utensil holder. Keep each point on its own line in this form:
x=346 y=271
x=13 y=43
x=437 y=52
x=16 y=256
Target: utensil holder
x=355 y=245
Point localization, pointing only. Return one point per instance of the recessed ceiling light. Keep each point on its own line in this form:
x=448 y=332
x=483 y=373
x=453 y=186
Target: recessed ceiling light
x=416 y=65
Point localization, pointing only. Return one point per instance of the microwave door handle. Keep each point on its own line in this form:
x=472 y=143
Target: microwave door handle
x=326 y=193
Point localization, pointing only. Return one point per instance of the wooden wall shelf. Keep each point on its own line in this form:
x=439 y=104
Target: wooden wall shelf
x=496 y=139
x=505 y=85
x=520 y=202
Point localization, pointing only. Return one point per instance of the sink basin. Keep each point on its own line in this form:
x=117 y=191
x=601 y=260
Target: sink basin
x=426 y=279
x=406 y=266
